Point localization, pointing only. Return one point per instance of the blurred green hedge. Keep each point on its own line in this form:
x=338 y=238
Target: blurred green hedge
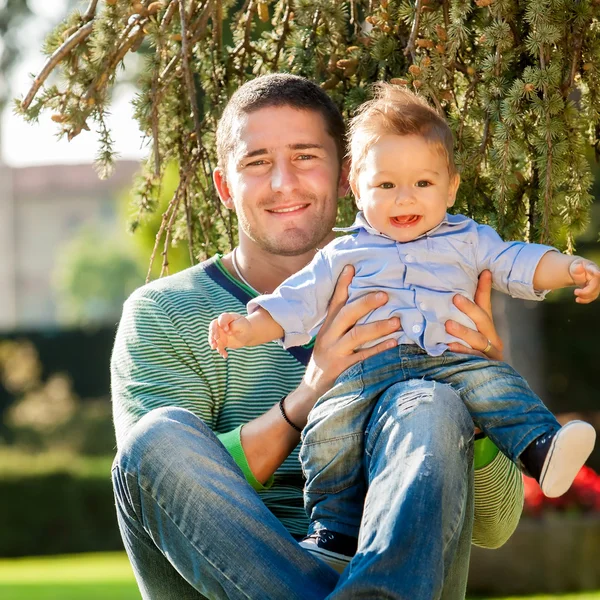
x=56 y=504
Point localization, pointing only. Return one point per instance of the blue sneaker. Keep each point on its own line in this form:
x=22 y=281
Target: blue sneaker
x=336 y=549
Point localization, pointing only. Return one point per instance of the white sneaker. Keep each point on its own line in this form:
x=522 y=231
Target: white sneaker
x=569 y=449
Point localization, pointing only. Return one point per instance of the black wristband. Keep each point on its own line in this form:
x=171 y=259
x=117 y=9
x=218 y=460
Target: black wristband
x=286 y=418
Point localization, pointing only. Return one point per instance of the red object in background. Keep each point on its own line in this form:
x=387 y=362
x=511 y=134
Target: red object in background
x=583 y=495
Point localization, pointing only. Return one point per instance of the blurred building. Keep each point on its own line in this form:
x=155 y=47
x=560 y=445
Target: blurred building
x=41 y=208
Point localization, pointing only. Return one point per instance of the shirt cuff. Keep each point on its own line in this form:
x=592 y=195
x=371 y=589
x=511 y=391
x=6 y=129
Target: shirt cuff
x=232 y=440
x=520 y=280
x=286 y=316
x=484 y=452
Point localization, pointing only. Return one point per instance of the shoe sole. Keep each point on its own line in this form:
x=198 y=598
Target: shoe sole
x=336 y=561
x=568 y=452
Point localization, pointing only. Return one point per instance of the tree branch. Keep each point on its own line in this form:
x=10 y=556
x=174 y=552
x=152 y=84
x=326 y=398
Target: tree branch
x=570 y=78
x=410 y=47
x=187 y=74
x=548 y=179
x=90 y=13
x=57 y=56
x=128 y=39
x=284 y=32
x=166 y=20
x=169 y=217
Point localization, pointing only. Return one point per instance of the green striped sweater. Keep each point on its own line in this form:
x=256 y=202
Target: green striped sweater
x=161 y=357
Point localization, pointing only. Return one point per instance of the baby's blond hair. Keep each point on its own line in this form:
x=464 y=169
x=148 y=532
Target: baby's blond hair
x=395 y=110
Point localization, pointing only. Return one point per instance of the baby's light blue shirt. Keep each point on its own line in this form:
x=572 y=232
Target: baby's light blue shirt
x=420 y=277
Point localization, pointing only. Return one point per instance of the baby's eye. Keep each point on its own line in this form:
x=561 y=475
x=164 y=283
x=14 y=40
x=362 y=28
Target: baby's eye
x=423 y=183
x=386 y=185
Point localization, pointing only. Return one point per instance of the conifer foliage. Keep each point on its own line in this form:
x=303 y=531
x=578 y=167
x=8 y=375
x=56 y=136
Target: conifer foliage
x=518 y=80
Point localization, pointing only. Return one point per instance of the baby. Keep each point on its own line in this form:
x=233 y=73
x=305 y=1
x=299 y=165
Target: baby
x=405 y=243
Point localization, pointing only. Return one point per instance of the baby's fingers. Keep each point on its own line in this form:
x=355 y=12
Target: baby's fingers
x=217 y=339
x=591 y=289
x=589 y=293
x=225 y=319
x=221 y=344
x=577 y=271
x=213 y=334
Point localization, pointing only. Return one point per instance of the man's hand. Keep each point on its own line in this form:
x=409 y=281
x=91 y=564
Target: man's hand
x=586 y=276
x=336 y=345
x=480 y=312
x=229 y=330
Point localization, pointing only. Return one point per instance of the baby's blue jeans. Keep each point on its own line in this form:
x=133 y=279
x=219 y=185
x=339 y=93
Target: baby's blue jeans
x=333 y=449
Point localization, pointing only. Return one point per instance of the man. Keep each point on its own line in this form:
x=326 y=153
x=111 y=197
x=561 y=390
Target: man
x=208 y=508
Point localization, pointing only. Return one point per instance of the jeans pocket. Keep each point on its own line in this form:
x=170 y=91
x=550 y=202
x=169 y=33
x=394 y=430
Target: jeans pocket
x=351 y=373
x=347 y=388
x=333 y=465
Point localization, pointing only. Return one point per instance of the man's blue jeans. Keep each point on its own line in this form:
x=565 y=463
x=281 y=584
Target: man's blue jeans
x=194 y=528
x=332 y=454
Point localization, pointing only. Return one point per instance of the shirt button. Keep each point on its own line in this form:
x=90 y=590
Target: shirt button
x=416 y=329
x=409 y=258
x=423 y=306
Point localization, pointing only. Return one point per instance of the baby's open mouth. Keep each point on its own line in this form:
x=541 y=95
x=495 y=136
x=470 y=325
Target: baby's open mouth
x=405 y=220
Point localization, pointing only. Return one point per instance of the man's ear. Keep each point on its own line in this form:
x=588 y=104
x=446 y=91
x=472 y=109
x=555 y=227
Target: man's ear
x=222 y=188
x=453 y=188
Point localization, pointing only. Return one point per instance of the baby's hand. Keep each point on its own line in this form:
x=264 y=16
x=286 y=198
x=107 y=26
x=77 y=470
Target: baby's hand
x=586 y=276
x=229 y=330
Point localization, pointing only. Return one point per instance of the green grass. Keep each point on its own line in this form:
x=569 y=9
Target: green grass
x=14 y=463
x=78 y=577
x=105 y=576
x=581 y=596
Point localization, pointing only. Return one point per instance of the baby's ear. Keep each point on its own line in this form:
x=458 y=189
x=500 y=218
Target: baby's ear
x=452 y=189
x=354 y=188
x=344 y=182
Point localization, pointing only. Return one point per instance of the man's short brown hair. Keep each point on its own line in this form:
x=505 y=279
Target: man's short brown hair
x=396 y=111
x=278 y=89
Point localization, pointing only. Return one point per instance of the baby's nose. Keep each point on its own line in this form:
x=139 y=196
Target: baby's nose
x=404 y=196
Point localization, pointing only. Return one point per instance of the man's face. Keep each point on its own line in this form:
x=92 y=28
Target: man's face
x=282 y=179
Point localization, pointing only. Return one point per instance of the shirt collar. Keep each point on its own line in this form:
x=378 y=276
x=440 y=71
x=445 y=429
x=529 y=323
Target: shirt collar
x=361 y=223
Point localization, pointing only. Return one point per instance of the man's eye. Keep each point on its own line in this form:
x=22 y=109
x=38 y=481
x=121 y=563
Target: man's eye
x=386 y=185
x=256 y=163
x=423 y=183
x=306 y=156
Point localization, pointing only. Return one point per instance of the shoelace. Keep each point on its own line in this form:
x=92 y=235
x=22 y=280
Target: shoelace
x=322 y=535
x=542 y=440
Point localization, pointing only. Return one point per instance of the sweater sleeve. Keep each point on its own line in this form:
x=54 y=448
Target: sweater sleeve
x=152 y=366
x=233 y=444
x=498 y=502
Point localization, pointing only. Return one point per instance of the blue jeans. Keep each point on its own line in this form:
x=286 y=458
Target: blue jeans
x=334 y=440
x=194 y=528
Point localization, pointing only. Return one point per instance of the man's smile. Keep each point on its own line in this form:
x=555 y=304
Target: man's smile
x=288 y=209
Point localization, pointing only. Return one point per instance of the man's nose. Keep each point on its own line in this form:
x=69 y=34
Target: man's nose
x=283 y=177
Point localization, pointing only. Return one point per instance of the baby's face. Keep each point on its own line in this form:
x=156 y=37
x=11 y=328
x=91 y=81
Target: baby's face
x=404 y=187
